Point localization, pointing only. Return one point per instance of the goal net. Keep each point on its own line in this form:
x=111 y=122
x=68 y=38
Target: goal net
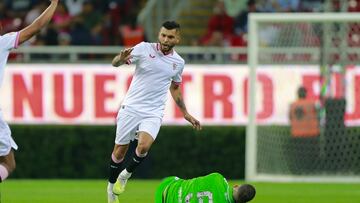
x=314 y=57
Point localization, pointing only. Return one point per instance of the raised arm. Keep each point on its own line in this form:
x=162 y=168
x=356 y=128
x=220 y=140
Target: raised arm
x=122 y=57
x=38 y=23
x=177 y=96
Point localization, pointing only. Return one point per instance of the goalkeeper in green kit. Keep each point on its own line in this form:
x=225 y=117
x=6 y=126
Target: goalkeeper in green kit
x=212 y=188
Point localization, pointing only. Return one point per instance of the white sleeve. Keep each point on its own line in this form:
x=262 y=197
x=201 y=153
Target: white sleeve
x=177 y=79
x=9 y=40
x=136 y=53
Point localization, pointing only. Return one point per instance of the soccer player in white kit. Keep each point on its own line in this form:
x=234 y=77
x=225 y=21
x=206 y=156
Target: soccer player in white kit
x=158 y=69
x=8 y=42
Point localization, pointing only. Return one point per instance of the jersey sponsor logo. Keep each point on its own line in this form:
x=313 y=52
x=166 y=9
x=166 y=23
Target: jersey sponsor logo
x=200 y=197
x=151 y=56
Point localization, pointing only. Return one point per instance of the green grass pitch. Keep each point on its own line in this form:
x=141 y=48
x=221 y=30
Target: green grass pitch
x=142 y=191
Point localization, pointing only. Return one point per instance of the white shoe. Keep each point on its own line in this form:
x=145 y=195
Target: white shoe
x=119 y=186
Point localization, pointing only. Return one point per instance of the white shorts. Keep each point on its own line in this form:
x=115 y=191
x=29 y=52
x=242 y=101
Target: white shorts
x=6 y=141
x=129 y=124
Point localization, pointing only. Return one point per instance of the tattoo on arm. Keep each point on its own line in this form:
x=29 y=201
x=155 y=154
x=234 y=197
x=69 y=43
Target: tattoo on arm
x=180 y=103
x=176 y=93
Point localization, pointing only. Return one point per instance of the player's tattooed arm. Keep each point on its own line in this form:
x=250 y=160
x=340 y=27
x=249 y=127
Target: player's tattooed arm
x=122 y=57
x=177 y=96
x=180 y=103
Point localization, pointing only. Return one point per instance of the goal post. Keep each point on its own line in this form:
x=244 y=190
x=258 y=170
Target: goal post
x=286 y=48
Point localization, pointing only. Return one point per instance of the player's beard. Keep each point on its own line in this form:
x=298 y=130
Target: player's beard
x=166 y=47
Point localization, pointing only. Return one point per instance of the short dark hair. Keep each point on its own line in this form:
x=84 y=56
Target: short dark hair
x=171 y=25
x=246 y=193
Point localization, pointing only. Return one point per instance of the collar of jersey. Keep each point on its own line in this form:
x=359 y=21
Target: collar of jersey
x=230 y=195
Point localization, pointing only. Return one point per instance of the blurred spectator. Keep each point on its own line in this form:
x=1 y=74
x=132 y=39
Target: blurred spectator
x=238 y=40
x=19 y=8
x=115 y=14
x=304 y=116
x=217 y=39
x=279 y=5
x=75 y=6
x=47 y=35
x=241 y=21
x=311 y=6
x=131 y=32
x=91 y=21
x=101 y=5
x=64 y=39
x=219 y=22
x=234 y=7
x=268 y=35
x=35 y=12
x=8 y=23
x=80 y=35
x=111 y=22
x=287 y=5
x=354 y=6
x=62 y=18
x=51 y=34
x=100 y=22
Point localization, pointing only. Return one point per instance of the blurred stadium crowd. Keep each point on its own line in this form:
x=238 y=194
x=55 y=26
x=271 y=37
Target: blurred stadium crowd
x=76 y=22
x=113 y=22
x=228 y=26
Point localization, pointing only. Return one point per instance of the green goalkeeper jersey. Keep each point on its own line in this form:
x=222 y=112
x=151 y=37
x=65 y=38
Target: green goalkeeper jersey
x=212 y=188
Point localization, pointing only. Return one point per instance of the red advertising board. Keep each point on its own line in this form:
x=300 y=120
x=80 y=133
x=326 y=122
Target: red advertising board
x=215 y=94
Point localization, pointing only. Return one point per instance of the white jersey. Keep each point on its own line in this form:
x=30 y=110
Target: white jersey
x=7 y=42
x=153 y=75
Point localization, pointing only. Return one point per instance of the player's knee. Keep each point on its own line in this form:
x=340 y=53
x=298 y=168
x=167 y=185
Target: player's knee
x=12 y=167
x=119 y=154
x=10 y=164
x=142 y=148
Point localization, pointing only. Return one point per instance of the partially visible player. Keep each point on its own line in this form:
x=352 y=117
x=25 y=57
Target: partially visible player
x=211 y=188
x=158 y=70
x=8 y=42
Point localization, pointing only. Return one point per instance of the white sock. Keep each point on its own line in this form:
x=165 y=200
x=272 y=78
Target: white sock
x=110 y=187
x=125 y=173
x=4 y=173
